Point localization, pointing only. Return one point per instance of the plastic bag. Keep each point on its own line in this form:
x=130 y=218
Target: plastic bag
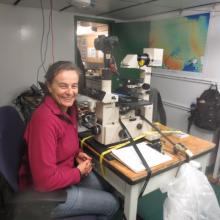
x=190 y=196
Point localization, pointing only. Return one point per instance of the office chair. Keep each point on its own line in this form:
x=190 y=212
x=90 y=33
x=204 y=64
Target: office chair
x=26 y=204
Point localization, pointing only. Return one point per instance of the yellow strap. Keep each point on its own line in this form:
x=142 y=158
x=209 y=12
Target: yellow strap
x=172 y=132
x=169 y=130
x=84 y=139
x=115 y=147
x=101 y=161
x=157 y=123
x=164 y=132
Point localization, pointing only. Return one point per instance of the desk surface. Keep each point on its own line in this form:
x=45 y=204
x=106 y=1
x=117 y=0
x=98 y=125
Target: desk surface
x=196 y=145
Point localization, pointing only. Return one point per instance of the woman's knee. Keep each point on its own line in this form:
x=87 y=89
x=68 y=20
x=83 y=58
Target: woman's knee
x=111 y=203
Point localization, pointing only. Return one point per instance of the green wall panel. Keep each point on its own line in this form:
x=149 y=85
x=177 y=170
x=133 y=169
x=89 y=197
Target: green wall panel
x=133 y=37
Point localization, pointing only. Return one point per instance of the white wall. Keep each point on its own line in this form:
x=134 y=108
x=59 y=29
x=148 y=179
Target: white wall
x=179 y=89
x=20 y=37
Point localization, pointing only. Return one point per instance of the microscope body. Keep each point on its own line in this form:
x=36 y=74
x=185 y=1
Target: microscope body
x=111 y=111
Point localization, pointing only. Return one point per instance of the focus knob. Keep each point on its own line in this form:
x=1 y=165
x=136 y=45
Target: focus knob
x=122 y=134
x=146 y=86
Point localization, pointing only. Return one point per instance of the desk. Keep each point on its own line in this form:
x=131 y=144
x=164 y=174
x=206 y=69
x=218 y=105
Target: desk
x=129 y=184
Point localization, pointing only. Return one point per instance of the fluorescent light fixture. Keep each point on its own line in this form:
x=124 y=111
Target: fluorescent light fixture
x=83 y=3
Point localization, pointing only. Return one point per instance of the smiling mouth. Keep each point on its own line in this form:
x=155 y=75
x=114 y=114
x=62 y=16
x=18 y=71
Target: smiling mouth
x=68 y=99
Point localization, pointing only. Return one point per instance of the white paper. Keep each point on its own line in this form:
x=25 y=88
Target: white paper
x=129 y=157
x=182 y=135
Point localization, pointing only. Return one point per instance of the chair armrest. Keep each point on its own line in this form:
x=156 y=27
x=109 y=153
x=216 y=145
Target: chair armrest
x=32 y=196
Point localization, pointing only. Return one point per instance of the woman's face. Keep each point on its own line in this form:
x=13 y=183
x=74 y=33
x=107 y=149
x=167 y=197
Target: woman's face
x=64 y=88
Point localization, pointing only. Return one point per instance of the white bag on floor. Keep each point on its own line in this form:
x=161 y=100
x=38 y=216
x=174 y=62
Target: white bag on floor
x=190 y=197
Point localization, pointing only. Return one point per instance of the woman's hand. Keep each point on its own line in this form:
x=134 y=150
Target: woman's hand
x=85 y=167
x=82 y=157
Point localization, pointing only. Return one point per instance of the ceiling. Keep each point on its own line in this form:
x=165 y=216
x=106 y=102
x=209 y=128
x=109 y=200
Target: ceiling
x=116 y=9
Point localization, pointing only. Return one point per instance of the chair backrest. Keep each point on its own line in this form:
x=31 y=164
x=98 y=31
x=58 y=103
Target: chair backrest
x=11 y=144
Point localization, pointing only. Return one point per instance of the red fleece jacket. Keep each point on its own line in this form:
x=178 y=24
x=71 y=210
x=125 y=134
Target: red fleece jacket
x=52 y=144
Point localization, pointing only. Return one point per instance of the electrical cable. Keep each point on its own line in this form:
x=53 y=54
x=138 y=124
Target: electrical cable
x=51 y=25
x=42 y=38
x=43 y=56
x=149 y=172
x=47 y=39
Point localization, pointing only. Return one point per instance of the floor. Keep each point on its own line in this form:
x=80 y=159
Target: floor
x=150 y=207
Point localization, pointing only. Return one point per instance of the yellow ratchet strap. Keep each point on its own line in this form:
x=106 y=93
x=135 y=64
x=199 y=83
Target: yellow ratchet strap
x=172 y=132
x=169 y=131
x=165 y=132
x=157 y=123
x=115 y=147
x=84 y=139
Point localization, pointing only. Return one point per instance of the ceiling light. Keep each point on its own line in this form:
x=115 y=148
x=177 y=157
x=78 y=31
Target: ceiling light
x=83 y=3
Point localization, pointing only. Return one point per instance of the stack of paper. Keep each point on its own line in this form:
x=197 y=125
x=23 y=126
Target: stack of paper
x=129 y=157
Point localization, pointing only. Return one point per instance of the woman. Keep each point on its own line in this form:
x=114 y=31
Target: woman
x=53 y=150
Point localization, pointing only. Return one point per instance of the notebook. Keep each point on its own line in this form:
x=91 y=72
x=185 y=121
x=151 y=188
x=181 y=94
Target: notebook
x=129 y=157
